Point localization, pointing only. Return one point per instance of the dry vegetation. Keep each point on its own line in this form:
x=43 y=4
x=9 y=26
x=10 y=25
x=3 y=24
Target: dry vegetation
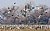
x=24 y=29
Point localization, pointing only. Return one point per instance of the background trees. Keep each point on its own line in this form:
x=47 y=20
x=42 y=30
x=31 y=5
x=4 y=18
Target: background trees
x=27 y=14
